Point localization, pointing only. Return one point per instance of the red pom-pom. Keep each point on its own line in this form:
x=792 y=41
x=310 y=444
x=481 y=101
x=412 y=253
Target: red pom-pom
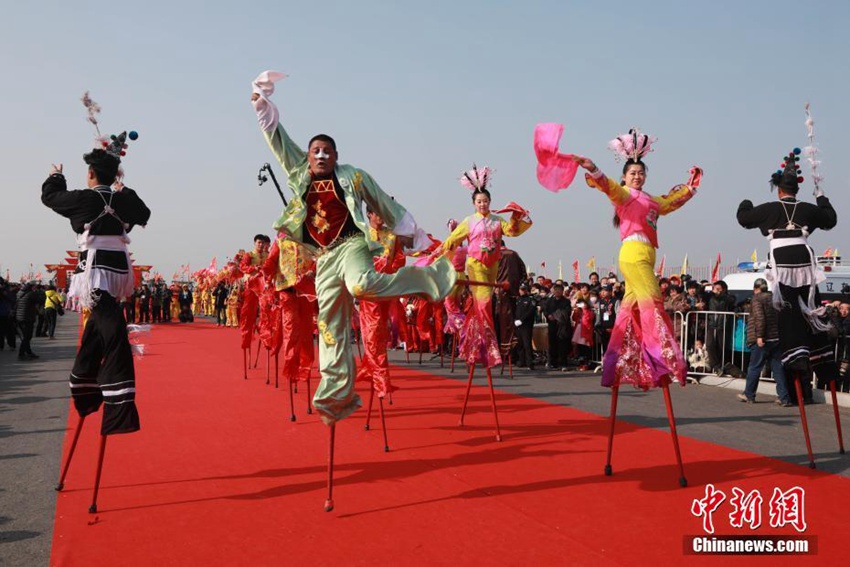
x=782 y=165
x=123 y=153
x=799 y=180
x=105 y=144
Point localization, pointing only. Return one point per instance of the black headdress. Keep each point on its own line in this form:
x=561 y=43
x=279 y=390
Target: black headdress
x=789 y=177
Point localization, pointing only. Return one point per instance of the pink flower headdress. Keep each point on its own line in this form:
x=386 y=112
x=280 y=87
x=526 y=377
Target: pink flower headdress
x=632 y=146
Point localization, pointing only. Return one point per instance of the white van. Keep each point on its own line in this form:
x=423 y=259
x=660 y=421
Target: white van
x=835 y=287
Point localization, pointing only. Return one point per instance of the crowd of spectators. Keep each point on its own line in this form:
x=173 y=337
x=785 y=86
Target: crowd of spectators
x=28 y=310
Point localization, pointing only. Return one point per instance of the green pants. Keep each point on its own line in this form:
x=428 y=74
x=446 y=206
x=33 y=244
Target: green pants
x=346 y=272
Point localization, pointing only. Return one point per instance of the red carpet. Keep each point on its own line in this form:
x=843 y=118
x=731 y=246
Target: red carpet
x=220 y=476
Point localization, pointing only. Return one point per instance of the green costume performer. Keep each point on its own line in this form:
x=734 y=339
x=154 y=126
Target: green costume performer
x=326 y=215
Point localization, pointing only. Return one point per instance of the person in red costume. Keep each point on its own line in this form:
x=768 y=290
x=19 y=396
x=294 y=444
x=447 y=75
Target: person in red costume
x=375 y=315
x=252 y=286
x=290 y=272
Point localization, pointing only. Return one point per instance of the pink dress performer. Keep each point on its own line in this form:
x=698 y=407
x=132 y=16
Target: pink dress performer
x=483 y=231
x=642 y=349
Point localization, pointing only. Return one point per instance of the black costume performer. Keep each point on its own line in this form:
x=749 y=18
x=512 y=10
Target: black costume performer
x=792 y=270
x=103 y=371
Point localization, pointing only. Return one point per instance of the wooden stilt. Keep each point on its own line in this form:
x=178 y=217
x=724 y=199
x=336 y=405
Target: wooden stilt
x=93 y=507
x=70 y=456
x=454 y=348
x=268 y=366
x=615 y=391
x=309 y=400
x=466 y=398
x=837 y=418
x=245 y=357
x=799 y=387
x=369 y=407
x=329 y=503
x=683 y=482
x=493 y=403
x=275 y=369
x=383 y=423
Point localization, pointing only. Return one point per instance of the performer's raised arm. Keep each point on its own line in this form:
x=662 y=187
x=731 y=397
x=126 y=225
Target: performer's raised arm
x=287 y=152
x=617 y=193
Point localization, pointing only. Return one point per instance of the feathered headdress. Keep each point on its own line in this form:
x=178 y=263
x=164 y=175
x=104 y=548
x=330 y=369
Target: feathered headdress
x=632 y=146
x=452 y=224
x=811 y=150
x=476 y=178
x=115 y=145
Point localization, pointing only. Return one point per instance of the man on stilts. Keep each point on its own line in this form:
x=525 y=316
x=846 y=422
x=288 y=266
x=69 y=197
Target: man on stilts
x=793 y=274
x=326 y=215
x=251 y=289
x=101 y=215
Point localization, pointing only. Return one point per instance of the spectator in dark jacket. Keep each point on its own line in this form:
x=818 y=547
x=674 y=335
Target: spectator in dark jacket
x=557 y=310
x=26 y=312
x=763 y=340
x=719 y=328
x=526 y=310
x=7 y=315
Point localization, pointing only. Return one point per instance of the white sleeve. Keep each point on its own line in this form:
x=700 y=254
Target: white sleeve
x=407 y=227
x=267 y=112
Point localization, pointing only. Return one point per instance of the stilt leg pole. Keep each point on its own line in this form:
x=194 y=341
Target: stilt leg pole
x=369 y=407
x=309 y=400
x=441 y=355
x=268 y=366
x=615 y=392
x=454 y=347
x=93 y=507
x=245 y=357
x=383 y=424
x=390 y=397
x=683 y=482
x=76 y=438
x=291 y=401
x=493 y=403
x=275 y=369
x=803 y=420
x=257 y=358
x=510 y=365
x=837 y=418
x=329 y=503
x=466 y=398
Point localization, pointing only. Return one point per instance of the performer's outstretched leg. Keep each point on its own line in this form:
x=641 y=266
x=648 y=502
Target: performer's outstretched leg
x=615 y=391
x=93 y=507
x=799 y=387
x=329 y=503
x=837 y=418
x=466 y=398
x=493 y=403
x=683 y=482
x=79 y=428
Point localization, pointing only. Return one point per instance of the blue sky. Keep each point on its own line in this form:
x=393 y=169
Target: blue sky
x=414 y=92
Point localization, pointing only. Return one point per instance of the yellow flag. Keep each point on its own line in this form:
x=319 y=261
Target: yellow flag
x=755 y=256
x=591 y=264
x=685 y=265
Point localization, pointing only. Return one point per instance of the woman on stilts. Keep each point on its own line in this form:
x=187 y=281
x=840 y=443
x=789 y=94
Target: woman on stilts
x=642 y=350
x=484 y=231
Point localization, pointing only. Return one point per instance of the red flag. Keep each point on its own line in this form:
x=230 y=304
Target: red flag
x=715 y=273
x=827 y=253
x=576 y=273
x=543 y=265
x=660 y=270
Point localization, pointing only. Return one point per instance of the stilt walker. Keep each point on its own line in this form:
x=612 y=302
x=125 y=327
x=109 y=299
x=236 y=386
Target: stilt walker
x=102 y=216
x=793 y=275
x=326 y=216
x=643 y=350
x=375 y=319
x=483 y=231
x=252 y=288
x=290 y=271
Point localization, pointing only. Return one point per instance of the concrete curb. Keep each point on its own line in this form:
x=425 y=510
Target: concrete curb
x=768 y=389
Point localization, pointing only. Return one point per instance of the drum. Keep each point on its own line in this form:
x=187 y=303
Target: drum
x=540 y=337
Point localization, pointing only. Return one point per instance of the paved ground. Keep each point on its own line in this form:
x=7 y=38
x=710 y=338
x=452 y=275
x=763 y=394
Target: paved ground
x=33 y=416
x=34 y=408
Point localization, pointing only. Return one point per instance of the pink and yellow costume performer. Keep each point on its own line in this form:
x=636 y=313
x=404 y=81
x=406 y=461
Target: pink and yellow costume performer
x=483 y=231
x=642 y=350
x=375 y=315
x=454 y=310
